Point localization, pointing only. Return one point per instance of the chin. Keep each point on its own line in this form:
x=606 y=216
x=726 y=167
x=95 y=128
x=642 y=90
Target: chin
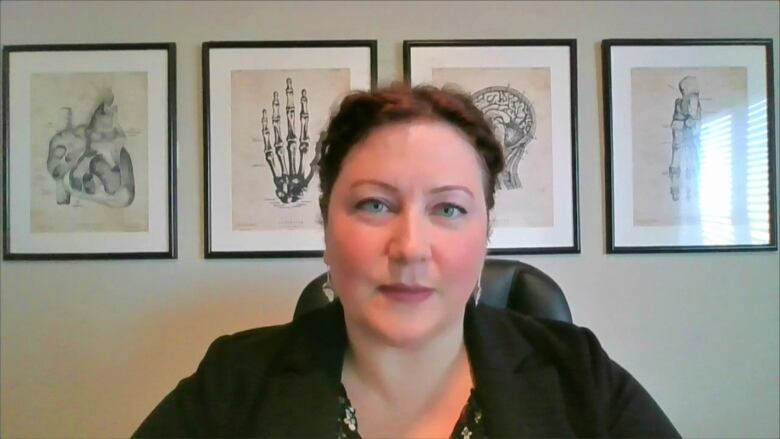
x=412 y=329
x=407 y=338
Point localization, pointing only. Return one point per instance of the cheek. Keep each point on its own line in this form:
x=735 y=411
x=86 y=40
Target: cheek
x=348 y=258
x=461 y=258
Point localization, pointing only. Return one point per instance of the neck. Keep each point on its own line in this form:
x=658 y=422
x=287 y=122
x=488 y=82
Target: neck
x=396 y=374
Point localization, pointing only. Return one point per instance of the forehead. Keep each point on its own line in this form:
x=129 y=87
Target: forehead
x=420 y=151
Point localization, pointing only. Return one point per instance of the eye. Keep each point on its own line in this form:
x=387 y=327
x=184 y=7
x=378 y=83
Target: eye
x=449 y=210
x=372 y=205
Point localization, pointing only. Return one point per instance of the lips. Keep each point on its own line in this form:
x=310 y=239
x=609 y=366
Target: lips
x=406 y=293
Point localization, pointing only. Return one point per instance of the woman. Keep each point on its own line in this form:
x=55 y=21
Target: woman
x=407 y=178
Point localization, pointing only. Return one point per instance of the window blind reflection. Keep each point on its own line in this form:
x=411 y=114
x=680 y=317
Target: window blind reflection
x=757 y=161
x=715 y=182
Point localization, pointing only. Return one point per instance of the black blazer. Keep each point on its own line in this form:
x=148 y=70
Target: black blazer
x=533 y=378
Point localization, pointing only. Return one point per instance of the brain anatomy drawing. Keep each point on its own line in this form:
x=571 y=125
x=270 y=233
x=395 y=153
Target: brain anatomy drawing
x=513 y=119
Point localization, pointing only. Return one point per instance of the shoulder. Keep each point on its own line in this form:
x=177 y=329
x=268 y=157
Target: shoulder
x=231 y=378
x=249 y=348
x=599 y=387
x=201 y=404
x=311 y=341
x=265 y=350
x=242 y=360
x=551 y=338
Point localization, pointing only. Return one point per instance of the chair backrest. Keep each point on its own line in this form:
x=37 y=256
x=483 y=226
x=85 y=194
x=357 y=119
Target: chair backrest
x=505 y=284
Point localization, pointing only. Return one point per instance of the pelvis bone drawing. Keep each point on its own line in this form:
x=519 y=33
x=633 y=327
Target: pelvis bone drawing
x=89 y=161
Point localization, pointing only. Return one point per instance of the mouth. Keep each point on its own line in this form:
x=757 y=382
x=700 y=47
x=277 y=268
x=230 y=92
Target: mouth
x=406 y=293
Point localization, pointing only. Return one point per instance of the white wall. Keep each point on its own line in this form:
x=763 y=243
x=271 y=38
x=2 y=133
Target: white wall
x=88 y=348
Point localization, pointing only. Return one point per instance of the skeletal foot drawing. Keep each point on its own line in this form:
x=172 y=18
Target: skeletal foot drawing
x=686 y=141
x=90 y=161
x=286 y=158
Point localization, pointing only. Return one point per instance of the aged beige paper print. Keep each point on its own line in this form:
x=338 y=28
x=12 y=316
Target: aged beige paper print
x=89 y=152
x=518 y=103
x=276 y=120
x=688 y=145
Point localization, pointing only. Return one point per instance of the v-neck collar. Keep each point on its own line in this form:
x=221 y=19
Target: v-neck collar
x=518 y=393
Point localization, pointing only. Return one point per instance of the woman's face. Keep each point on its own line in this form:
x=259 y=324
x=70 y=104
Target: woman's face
x=406 y=231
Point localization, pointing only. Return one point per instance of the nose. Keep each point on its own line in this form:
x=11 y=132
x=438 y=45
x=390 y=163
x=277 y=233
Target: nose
x=410 y=241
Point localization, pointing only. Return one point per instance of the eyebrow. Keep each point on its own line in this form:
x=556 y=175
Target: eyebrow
x=391 y=188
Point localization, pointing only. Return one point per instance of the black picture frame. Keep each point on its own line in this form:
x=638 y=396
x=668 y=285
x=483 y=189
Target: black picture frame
x=539 y=73
x=689 y=145
x=117 y=101
x=270 y=220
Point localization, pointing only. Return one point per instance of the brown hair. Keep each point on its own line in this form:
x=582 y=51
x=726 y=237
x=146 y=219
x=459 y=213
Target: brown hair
x=363 y=111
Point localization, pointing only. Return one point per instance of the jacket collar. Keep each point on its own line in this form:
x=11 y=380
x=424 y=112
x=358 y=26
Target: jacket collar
x=516 y=387
x=300 y=397
x=517 y=393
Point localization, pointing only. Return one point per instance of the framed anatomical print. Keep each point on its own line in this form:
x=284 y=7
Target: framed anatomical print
x=265 y=104
x=527 y=90
x=89 y=151
x=690 y=149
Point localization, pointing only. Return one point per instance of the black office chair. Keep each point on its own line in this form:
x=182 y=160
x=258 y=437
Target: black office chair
x=505 y=284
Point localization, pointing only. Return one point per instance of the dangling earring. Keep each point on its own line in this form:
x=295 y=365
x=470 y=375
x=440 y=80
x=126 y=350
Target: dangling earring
x=327 y=288
x=477 y=292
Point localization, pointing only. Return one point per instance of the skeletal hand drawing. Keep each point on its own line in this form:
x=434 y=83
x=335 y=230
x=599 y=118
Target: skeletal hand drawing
x=514 y=123
x=286 y=158
x=686 y=124
x=89 y=161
